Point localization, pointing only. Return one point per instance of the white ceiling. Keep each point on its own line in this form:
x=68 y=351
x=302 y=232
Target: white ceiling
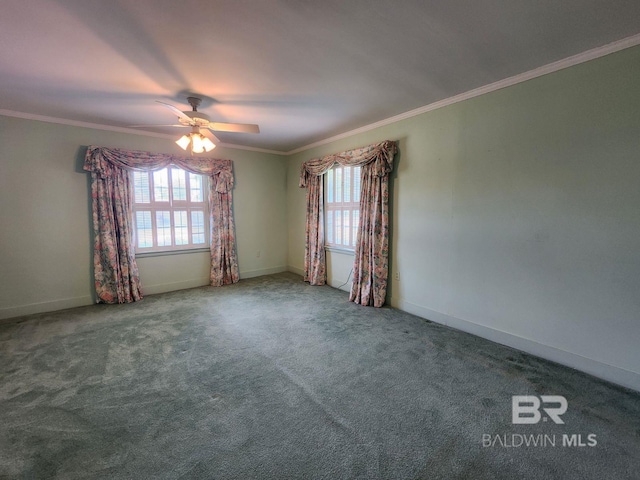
x=304 y=70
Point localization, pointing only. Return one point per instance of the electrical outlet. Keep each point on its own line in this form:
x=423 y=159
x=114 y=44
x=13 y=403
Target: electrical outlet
x=397 y=276
x=258 y=254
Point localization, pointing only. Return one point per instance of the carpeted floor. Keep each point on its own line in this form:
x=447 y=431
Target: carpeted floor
x=273 y=379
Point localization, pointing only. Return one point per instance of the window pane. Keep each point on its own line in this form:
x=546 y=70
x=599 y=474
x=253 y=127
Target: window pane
x=141 y=187
x=169 y=209
x=181 y=227
x=356 y=184
x=161 y=185
x=330 y=186
x=179 y=184
x=197 y=227
x=338 y=184
x=345 y=225
x=163 y=228
x=347 y=184
x=354 y=227
x=144 y=229
x=338 y=227
x=195 y=187
x=330 y=226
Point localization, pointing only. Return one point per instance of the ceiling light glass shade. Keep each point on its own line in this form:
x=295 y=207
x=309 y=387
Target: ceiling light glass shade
x=208 y=144
x=196 y=143
x=183 y=142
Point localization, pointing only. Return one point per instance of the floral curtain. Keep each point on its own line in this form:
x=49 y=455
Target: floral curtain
x=114 y=263
x=224 y=260
x=314 y=258
x=115 y=269
x=370 y=269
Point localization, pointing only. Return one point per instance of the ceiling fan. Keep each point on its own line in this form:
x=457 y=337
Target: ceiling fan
x=201 y=140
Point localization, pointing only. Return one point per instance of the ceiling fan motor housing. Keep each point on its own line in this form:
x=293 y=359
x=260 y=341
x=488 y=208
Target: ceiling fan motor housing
x=194 y=102
x=197 y=118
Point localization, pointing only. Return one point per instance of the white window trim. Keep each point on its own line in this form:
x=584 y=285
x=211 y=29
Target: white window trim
x=173 y=252
x=344 y=251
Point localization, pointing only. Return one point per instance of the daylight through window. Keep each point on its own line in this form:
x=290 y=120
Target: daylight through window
x=342 y=206
x=170 y=210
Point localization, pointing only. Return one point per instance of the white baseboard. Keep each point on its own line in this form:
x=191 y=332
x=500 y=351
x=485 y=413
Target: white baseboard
x=173 y=286
x=147 y=289
x=263 y=271
x=296 y=270
x=617 y=375
x=204 y=281
x=42 y=307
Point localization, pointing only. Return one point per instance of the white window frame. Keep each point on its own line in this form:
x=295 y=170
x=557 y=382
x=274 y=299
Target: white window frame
x=171 y=206
x=341 y=200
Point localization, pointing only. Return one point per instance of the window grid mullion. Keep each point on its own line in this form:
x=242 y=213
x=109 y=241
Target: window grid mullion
x=189 y=235
x=353 y=184
x=152 y=211
x=152 y=191
x=187 y=186
x=152 y=206
x=172 y=212
x=187 y=203
x=354 y=229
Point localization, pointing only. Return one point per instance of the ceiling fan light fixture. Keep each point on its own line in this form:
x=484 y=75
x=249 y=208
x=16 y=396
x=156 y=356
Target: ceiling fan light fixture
x=184 y=141
x=197 y=120
x=196 y=143
x=208 y=144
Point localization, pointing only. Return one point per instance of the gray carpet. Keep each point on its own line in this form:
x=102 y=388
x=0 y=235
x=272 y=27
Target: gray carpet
x=273 y=379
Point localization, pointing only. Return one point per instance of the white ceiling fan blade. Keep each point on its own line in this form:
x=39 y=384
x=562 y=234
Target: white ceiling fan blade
x=147 y=125
x=210 y=135
x=175 y=110
x=234 y=127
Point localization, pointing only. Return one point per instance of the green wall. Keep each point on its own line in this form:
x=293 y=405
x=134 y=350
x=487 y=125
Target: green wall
x=45 y=246
x=516 y=215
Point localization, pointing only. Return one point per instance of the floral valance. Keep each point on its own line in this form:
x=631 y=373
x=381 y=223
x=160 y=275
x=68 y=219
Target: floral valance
x=102 y=161
x=381 y=154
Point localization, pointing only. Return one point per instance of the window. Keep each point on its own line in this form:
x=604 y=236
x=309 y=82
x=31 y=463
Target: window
x=170 y=210
x=342 y=206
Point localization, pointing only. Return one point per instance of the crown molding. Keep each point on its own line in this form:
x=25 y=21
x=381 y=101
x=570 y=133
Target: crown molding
x=75 y=123
x=252 y=149
x=492 y=87
x=98 y=126
x=110 y=128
